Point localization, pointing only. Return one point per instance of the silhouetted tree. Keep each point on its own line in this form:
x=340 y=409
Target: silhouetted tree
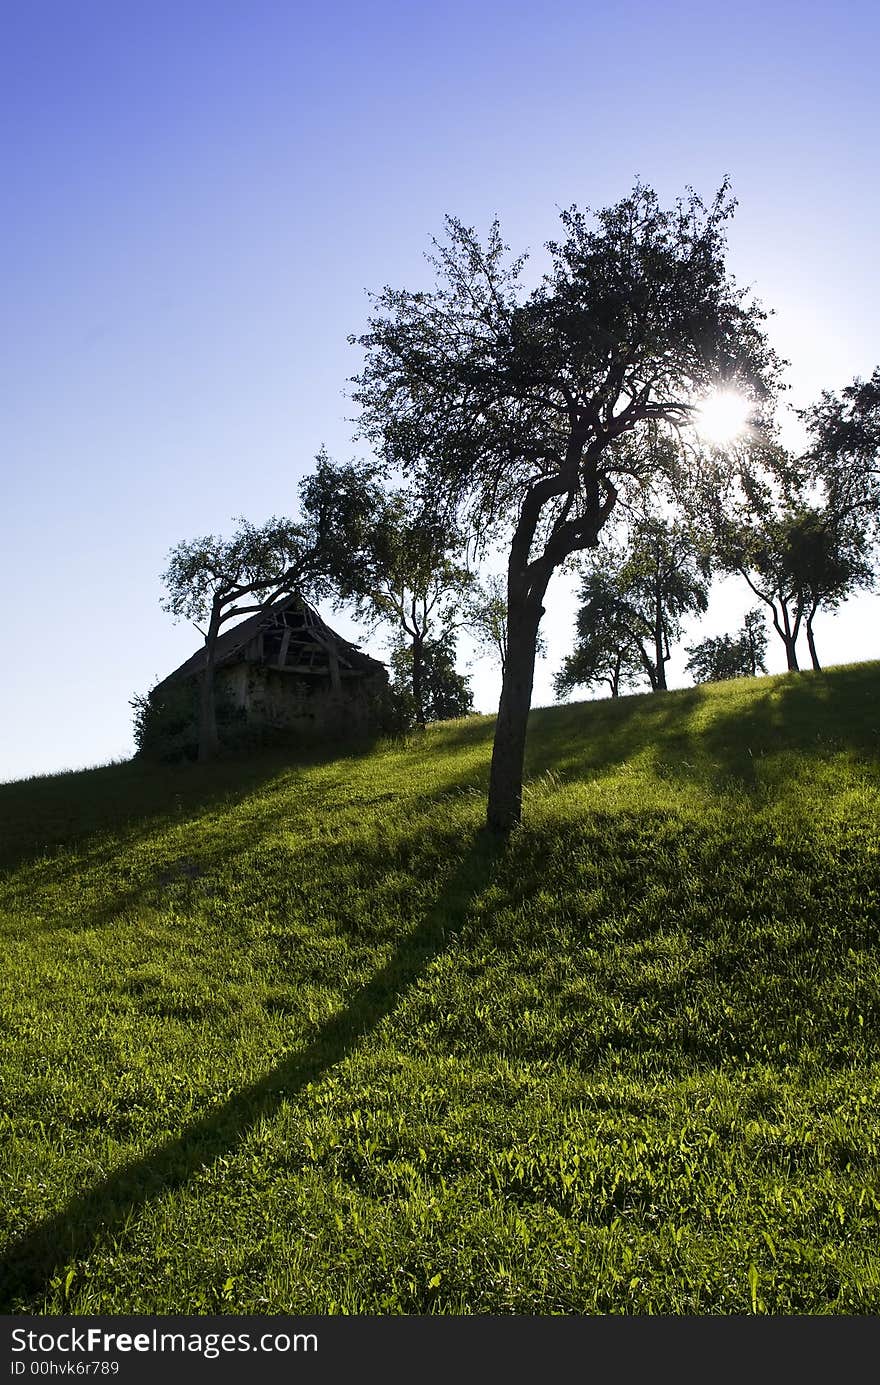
x=829 y=553
x=797 y=555
x=634 y=597
x=605 y=651
x=400 y=569
x=844 y=451
x=527 y=412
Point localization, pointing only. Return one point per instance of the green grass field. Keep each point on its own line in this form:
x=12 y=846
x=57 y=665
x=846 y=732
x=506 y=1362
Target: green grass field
x=298 y=1038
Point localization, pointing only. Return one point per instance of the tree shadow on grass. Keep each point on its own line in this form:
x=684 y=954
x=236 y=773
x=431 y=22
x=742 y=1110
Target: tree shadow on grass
x=52 y=813
x=28 y=1265
x=713 y=734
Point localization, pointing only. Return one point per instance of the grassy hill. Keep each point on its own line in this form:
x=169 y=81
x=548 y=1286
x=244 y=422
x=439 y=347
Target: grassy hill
x=299 y=1038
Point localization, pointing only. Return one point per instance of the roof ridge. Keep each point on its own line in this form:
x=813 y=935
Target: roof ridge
x=233 y=640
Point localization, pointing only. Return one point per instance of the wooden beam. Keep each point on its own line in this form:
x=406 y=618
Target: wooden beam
x=335 y=680
x=282 y=654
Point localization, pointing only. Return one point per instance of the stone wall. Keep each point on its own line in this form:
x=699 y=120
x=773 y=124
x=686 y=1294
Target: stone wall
x=270 y=698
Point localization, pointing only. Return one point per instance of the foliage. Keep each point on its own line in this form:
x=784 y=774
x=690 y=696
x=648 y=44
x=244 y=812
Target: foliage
x=298 y=1039
x=166 y=724
x=400 y=569
x=827 y=551
x=634 y=596
x=486 y=620
x=730 y=656
x=446 y=693
x=253 y=559
x=844 y=451
x=524 y=415
x=277 y=557
x=797 y=554
x=606 y=650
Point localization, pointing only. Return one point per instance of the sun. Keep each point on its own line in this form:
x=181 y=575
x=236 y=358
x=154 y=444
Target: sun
x=722 y=417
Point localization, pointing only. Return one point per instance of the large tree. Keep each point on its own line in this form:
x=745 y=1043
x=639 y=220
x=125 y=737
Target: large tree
x=528 y=411
x=635 y=594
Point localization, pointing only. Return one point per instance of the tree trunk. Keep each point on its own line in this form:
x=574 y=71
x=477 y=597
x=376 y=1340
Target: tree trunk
x=659 y=659
x=660 y=681
x=209 y=741
x=418 y=679
x=615 y=680
x=504 y=809
x=789 y=638
x=812 y=643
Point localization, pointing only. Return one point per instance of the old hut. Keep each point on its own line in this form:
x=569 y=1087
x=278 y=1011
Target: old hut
x=284 y=669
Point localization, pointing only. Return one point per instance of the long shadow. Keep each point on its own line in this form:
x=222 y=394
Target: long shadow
x=29 y=1263
x=819 y=715
x=816 y=712
x=56 y=812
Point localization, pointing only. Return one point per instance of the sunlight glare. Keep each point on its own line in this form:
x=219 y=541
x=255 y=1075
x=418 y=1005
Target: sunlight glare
x=722 y=416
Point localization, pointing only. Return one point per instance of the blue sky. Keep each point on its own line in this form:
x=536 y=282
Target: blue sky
x=197 y=196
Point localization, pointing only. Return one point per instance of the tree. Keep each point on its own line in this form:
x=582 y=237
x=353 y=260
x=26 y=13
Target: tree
x=753 y=636
x=525 y=414
x=400 y=569
x=843 y=459
x=605 y=651
x=798 y=555
x=828 y=551
x=215 y=580
x=754 y=535
x=730 y=656
x=634 y=597
x=487 y=620
x=844 y=450
x=445 y=692
x=209 y=579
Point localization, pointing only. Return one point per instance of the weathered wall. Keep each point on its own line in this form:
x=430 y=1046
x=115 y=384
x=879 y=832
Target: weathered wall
x=270 y=698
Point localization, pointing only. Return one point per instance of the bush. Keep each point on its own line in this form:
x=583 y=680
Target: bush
x=166 y=723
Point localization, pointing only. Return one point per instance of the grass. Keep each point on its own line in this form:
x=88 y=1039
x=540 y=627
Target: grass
x=298 y=1038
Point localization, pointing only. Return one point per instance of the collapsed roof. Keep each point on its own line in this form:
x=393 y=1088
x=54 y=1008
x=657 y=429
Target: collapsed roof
x=288 y=635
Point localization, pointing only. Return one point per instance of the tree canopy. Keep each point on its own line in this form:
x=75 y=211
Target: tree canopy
x=635 y=595
x=401 y=568
x=844 y=450
x=730 y=656
x=800 y=547
x=213 y=580
x=524 y=414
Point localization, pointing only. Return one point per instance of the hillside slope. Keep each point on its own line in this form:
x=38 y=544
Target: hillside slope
x=298 y=1038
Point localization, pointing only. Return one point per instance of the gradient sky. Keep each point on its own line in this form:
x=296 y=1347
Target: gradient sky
x=198 y=194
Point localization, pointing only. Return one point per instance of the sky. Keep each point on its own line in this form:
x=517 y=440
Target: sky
x=198 y=195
